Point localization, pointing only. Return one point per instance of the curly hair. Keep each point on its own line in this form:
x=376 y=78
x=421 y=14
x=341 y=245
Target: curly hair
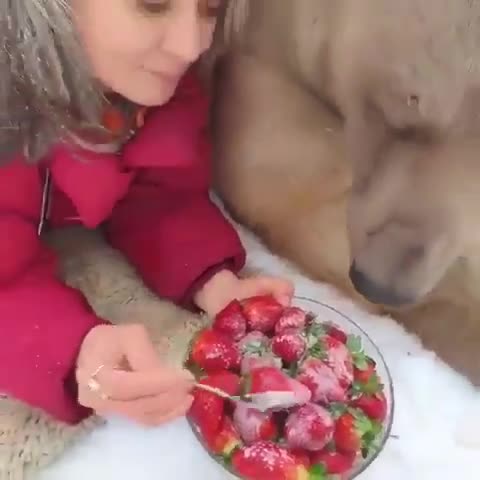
x=47 y=92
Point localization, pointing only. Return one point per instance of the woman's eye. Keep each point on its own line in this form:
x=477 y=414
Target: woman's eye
x=153 y=6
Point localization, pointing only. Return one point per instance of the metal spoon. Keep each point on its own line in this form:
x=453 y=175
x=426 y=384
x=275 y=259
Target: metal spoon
x=261 y=401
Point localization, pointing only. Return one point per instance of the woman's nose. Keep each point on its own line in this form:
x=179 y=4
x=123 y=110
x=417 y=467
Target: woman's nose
x=185 y=36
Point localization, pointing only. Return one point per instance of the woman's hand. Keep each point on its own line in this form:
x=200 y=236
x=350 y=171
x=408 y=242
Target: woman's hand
x=225 y=286
x=119 y=372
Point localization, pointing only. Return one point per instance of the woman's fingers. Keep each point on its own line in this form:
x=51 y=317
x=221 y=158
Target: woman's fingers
x=126 y=385
x=280 y=288
x=148 y=410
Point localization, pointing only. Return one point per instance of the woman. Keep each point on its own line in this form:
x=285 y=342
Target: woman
x=103 y=124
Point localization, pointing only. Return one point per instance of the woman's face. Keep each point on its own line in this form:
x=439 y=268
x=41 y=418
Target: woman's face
x=141 y=48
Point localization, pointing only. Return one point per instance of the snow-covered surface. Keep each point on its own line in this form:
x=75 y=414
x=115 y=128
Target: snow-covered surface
x=436 y=433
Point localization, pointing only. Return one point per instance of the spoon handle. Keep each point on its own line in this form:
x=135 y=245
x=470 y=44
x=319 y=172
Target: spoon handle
x=214 y=390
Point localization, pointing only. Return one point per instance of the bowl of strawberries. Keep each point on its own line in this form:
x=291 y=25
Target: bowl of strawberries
x=289 y=393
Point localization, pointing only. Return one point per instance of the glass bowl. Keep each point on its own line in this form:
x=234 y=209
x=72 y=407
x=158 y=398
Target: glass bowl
x=328 y=314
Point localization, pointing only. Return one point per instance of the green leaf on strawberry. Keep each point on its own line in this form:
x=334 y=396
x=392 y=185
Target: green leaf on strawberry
x=354 y=345
x=317 y=348
x=318 y=472
x=337 y=409
x=371 y=439
x=317 y=330
x=371 y=387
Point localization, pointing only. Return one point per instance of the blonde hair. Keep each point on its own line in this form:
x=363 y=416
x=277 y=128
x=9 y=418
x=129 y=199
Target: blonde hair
x=47 y=92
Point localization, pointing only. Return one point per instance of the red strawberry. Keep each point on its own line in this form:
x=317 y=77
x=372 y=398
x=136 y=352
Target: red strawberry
x=335 y=332
x=214 y=351
x=353 y=432
x=225 y=441
x=302 y=456
x=374 y=406
x=335 y=463
x=207 y=410
x=267 y=461
x=231 y=321
x=254 y=425
x=292 y=318
x=289 y=346
x=365 y=374
x=322 y=381
x=269 y=379
x=309 y=427
x=262 y=313
x=337 y=356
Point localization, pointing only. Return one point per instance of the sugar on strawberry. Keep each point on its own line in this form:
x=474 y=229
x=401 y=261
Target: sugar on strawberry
x=268 y=461
x=262 y=313
x=231 y=321
x=213 y=351
x=321 y=381
x=309 y=427
x=337 y=356
x=292 y=318
x=208 y=410
x=290 y=345
x=253 y=425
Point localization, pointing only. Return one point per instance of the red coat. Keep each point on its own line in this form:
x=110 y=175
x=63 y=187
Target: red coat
x=152 y=199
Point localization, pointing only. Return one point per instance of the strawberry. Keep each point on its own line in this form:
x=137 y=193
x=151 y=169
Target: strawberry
x=365 y=375
x=292 y=318
x=207 y=410
x=213 y=351
x=335 y=463
x=309 y=427
x=289 y=346
x=321 y=381
x=225 y=441
x=374 y=406
x=337 y=356
x=262 y=313
x=252 y=362
x=267 y=461
x=254 y=425
x=335 y=332
x=360 y=360
x=270 y=379
x=302 y=456
x=355 y=432
x=231 y=321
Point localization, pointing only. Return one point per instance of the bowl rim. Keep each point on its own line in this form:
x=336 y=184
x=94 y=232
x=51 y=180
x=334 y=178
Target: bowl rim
x=388 y=427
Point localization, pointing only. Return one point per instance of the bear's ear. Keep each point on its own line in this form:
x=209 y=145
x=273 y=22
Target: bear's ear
x=46 y=87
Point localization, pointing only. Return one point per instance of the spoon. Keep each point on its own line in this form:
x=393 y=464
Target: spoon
x=261 y=401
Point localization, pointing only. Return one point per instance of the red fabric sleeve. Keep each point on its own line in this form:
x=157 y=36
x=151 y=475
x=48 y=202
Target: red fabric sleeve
x=176 y=238
x=43 y=323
